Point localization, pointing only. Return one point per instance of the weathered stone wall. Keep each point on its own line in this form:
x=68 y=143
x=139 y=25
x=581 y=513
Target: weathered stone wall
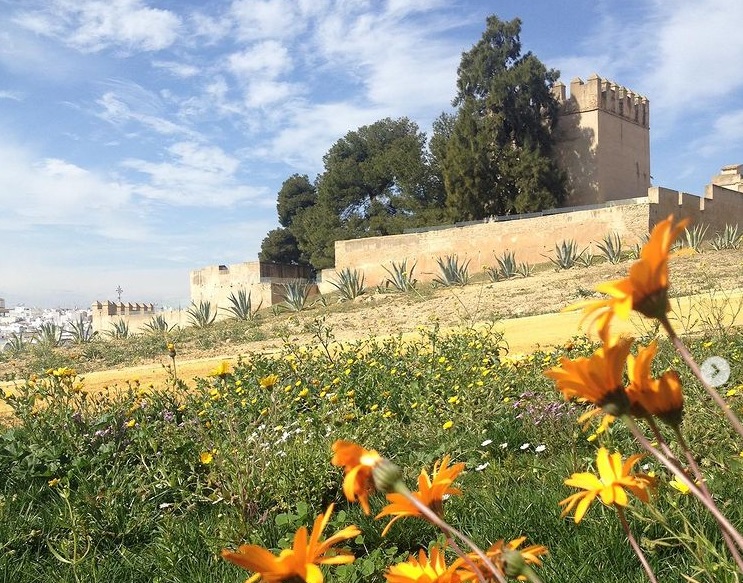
x=103 y=322
x=530 y=238
x=261 y=280
x=717 y=208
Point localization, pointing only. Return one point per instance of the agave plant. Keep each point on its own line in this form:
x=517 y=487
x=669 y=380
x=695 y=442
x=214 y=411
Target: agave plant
x=158 y=325
x=400 y=277
x=507 y=266
x=611 y=247
x=81 y=331
x=201 y=315
x=452 y=271
x=295 y=294
x=350 y=284
x=728 y=238
x=566 y=254
x=241 y=306
x=119 y=329
x=525 y=269
x=634 y=252
x=16 y=344
x=49 y=334
x=585 y=259
x=694 y=237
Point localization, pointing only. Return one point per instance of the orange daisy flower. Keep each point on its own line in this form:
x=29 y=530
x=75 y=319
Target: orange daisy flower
x=299 y=562
x=425 y=569
x=509 y=558
x=610 y=486
x=359 y=464
x=661 y=397
x=597 y=379
x=645 y=289
x=431 y=492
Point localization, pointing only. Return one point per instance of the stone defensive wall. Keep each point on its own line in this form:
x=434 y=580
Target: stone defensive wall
x=135 y=315
x=721 y=204
x=533 y=237
x=597 y=93
x=262 y=280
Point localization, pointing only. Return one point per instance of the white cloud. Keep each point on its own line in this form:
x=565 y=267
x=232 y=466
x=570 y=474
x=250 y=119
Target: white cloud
x=12 y=95
x=311 y=130
x=181 y=70
x=129 y=102
x=394 y=60
x=208 y=29
x=725 y=135
x=258 y=19
x=52 y=191
x=267 y=59
x=95 y=25
x=195 y=175
x=697 y=48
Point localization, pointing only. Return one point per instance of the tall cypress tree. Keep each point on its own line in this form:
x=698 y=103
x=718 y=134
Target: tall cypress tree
x=498 y=157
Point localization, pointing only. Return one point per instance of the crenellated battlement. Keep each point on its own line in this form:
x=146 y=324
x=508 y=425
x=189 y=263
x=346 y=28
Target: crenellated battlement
x=110 y=308
x=601 y=94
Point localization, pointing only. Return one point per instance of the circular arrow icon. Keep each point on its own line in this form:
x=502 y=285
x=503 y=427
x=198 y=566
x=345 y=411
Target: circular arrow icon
x=715 y=371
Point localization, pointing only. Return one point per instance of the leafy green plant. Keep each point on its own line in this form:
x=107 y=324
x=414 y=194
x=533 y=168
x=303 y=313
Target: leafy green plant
x=241 y=306
x=81 y=331
x=295 y=294
x=611 y=247
x=201 y=315
x=525 y=269
x=452 y=271
x=728 y=238
x=49 y=334
x=350 y=284
x=400 y=277
x=119 y=329
x=634 y=252
x=16 y=344
x=158 y=325
x=566 y=254
x=694 y=237
x=585 y=259
x=507 y=266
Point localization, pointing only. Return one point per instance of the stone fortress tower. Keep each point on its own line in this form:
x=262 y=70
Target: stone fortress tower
x=603 y=141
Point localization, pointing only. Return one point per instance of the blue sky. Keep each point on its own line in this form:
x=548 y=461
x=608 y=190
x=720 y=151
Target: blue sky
x=141 y=139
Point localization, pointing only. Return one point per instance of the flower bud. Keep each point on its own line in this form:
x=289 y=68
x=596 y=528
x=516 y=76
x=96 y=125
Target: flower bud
x=386 y=475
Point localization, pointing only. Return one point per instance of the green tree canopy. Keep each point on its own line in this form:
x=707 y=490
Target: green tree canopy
x=377 y=181
x=297 y=194
x=497 y=158
x=280 y=246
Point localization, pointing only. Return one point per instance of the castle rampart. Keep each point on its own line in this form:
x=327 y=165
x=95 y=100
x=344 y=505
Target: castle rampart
x=602 y=141
x=261 y=279
x=533 y=238
x=601 y=94
x=719 y=206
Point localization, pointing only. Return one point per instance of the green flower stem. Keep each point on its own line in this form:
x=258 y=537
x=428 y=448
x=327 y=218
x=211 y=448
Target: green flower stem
x=684 y=479
x=703 y=487
x=447 y=529
x=475 y=569
x=697 y=474
x=692 y=364
x=635 y=546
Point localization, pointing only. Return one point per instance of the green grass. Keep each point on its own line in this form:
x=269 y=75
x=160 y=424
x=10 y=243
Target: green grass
x=143 y=506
